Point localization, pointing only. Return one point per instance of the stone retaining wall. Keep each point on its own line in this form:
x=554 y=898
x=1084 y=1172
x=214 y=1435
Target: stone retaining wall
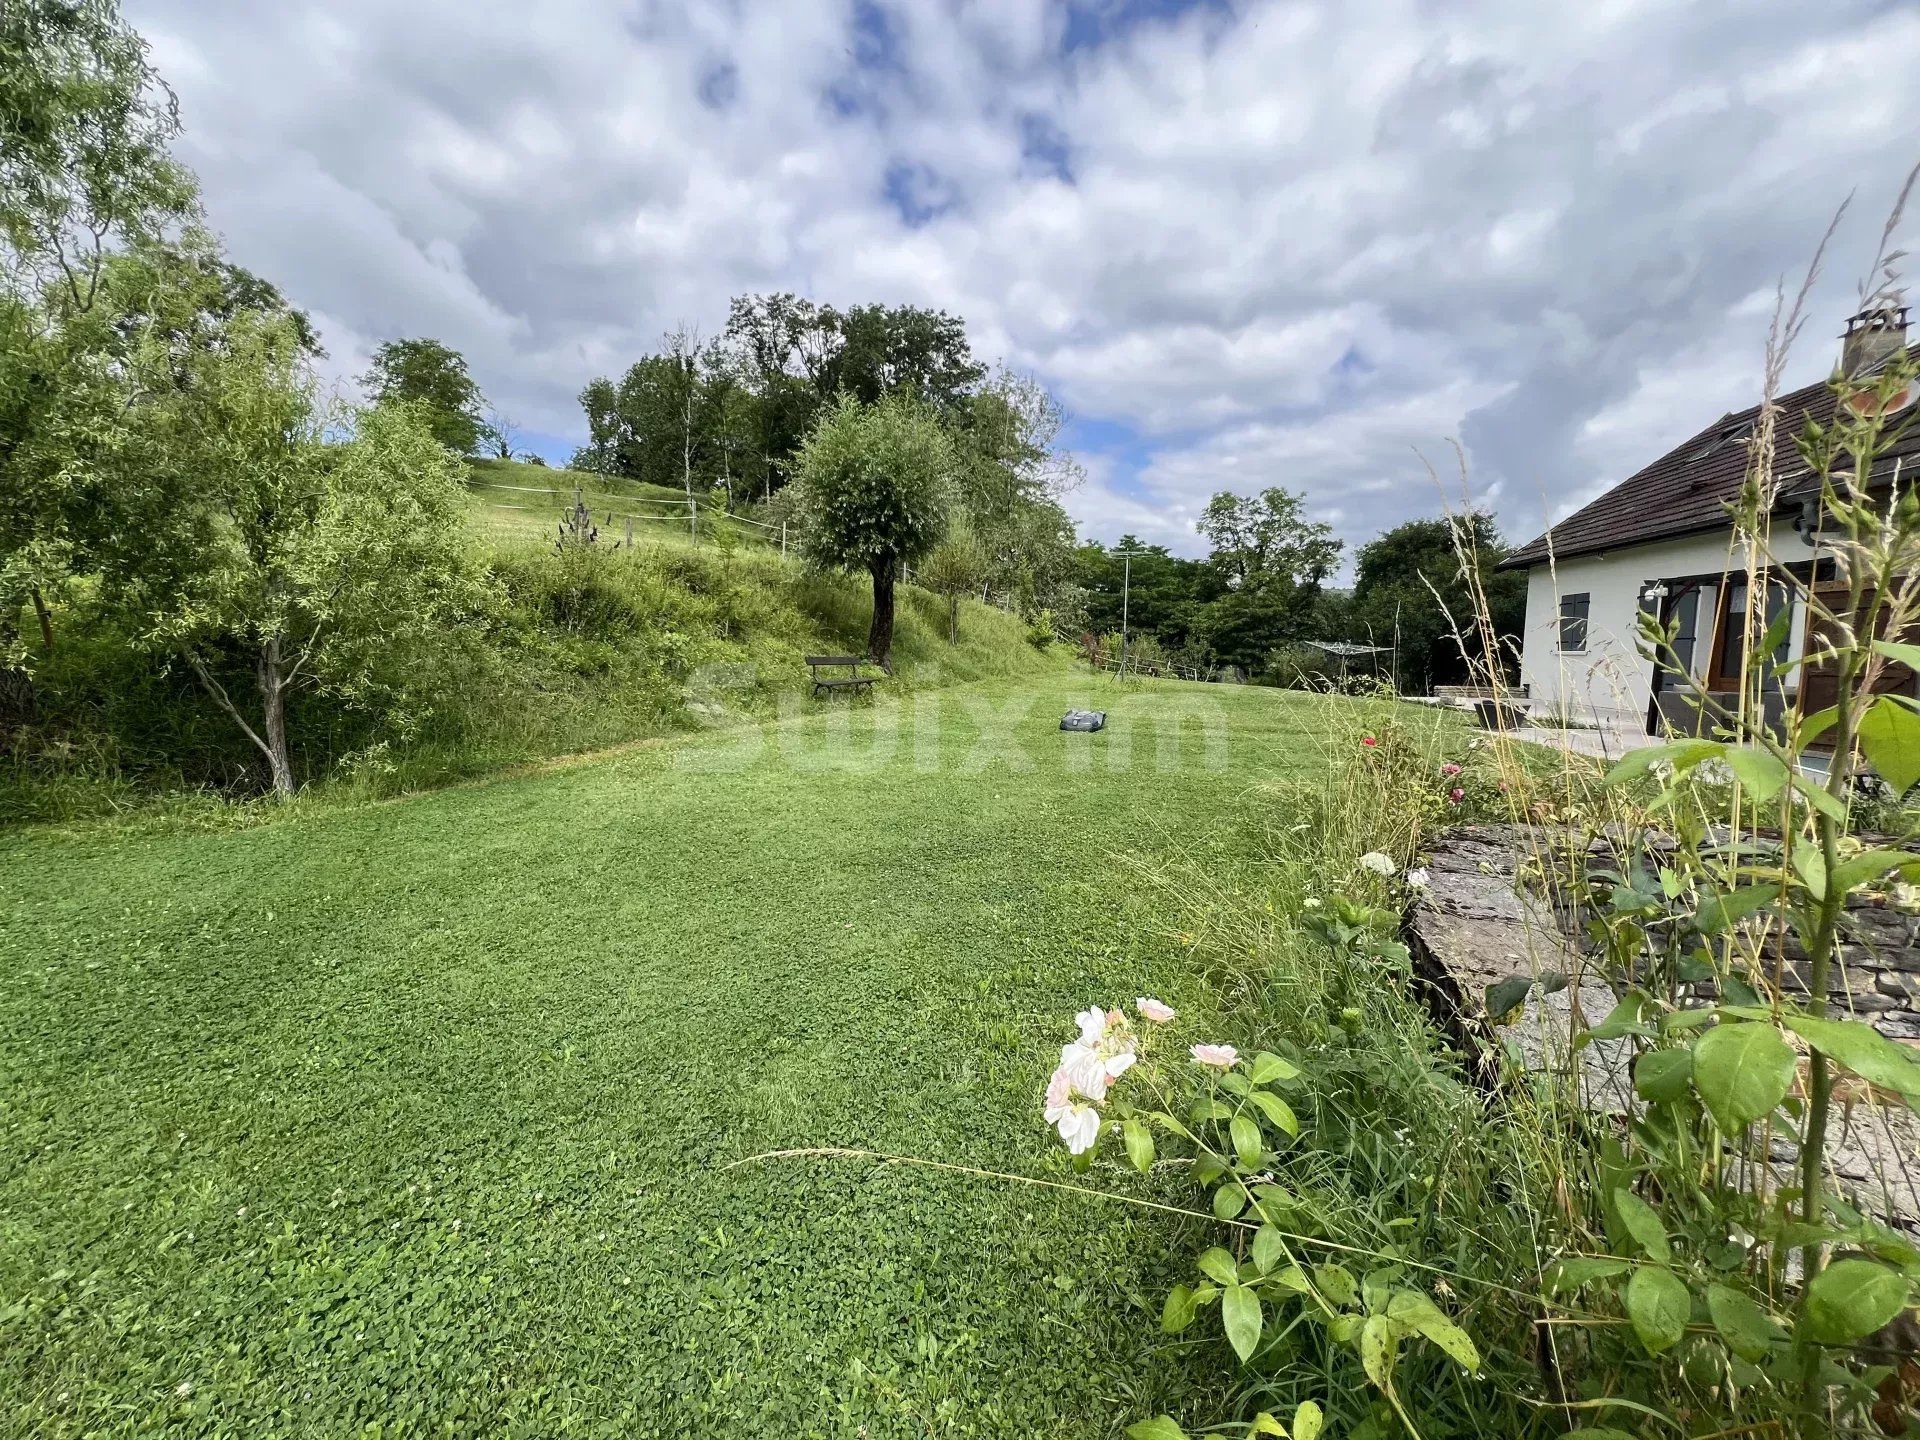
x=1474 y=926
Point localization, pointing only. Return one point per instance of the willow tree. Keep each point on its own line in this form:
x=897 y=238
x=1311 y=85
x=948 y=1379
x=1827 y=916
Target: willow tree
x=874 y=488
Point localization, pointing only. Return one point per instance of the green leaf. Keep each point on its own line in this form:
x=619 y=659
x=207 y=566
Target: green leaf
x=1863 y=1050
x=1139 y=1141
x=1268 y=1067
x=1376 y=1350
x=1658 y=1306
x=1747 y=1328
x=1246 y=1141
x=1229 y=1200
x=1890 y=736
x=1418 y=1312
x=1811 y=866
x=1240 y=1312
x=1643 y=1224
x=1161 y=1427
x=1276 y=1110
x=1217 y=1264
x=1907 y=655
x=1579 y=1270
x=1505 y=996
x=1718 y=911
x=1871 y=865
x=1336 y=1282
x=1234 y=1083
x=1660 y=1076
x=1815 y=794
x=1265 y=1424
x=1684 y=754
x=1675 y=1021
x=1269 y=1249
x=1849 y=1300
x=1761 y=773
x=1177 y=1314
x=1741 y=1072
x=1817 y=724
x=1624 y=1019
x=1293 y=1278
x=1307 y=1421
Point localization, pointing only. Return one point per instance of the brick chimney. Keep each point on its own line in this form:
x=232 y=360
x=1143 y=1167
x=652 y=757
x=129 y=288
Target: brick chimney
x=1875 y=334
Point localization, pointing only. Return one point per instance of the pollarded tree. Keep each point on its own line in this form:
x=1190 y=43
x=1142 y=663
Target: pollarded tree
x=266 y=543
x=874 y=487
x=435 y=378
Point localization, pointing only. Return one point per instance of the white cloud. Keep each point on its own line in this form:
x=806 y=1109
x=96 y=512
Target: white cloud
x=1279 y=243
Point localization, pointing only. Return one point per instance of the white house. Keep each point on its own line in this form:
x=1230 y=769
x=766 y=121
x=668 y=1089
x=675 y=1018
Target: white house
x=1662 y=541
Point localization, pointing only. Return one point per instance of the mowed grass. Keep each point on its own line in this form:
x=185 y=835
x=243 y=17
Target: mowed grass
x=425 y=1117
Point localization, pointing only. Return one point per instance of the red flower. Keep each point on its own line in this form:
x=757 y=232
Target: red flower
x=1456 y=795
x=1368 y=740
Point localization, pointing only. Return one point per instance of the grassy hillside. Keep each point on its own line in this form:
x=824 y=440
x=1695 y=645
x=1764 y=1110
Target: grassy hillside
x=664 y=638
x=418 y=1119
x=575 y=653
x=512 y=500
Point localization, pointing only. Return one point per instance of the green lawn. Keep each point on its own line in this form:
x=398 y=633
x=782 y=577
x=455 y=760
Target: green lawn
x=415 y=1118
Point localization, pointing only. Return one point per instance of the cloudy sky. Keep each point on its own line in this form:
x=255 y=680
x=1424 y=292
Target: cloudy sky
x=1245 y=243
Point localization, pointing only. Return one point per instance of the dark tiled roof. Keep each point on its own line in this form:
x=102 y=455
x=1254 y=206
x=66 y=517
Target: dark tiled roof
x=1687 y=489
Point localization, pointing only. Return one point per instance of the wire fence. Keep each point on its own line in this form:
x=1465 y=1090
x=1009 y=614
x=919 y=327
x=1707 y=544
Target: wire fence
x=652 y=510
x=1159 y=669
x=703 y=525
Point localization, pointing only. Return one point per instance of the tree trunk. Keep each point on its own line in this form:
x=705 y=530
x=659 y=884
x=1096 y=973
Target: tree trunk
x=273 y=698
x=880 y=636
x=953 y=618
x=45 y=617
x=273 y=682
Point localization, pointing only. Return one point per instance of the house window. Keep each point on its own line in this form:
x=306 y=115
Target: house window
x=1573 y=623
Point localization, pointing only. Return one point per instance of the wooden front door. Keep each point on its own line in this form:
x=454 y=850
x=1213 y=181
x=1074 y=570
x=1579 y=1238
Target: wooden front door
x=1819 y=681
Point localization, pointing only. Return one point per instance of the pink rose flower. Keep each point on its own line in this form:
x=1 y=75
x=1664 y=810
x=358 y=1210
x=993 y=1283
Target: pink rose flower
x=1449 y=769
x=1157 y=1011
x=1456 y=795
x=1221 y=1057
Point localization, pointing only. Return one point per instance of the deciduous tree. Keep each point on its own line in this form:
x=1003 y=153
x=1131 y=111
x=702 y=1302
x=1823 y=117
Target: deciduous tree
x=1414 y=575
x=85 y=126
x=435 y=378
x=271 y=546
x=875 y=486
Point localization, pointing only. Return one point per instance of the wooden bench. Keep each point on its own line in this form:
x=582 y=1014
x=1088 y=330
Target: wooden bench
x=852 y=680
x=1467 y=695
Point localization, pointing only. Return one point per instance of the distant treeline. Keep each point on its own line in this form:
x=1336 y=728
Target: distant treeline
x=728 y=416
x=1261 y=594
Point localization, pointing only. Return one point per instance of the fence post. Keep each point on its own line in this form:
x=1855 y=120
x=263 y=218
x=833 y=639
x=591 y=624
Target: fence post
x=783 y=539
x=629 y=532
x=693 y=519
